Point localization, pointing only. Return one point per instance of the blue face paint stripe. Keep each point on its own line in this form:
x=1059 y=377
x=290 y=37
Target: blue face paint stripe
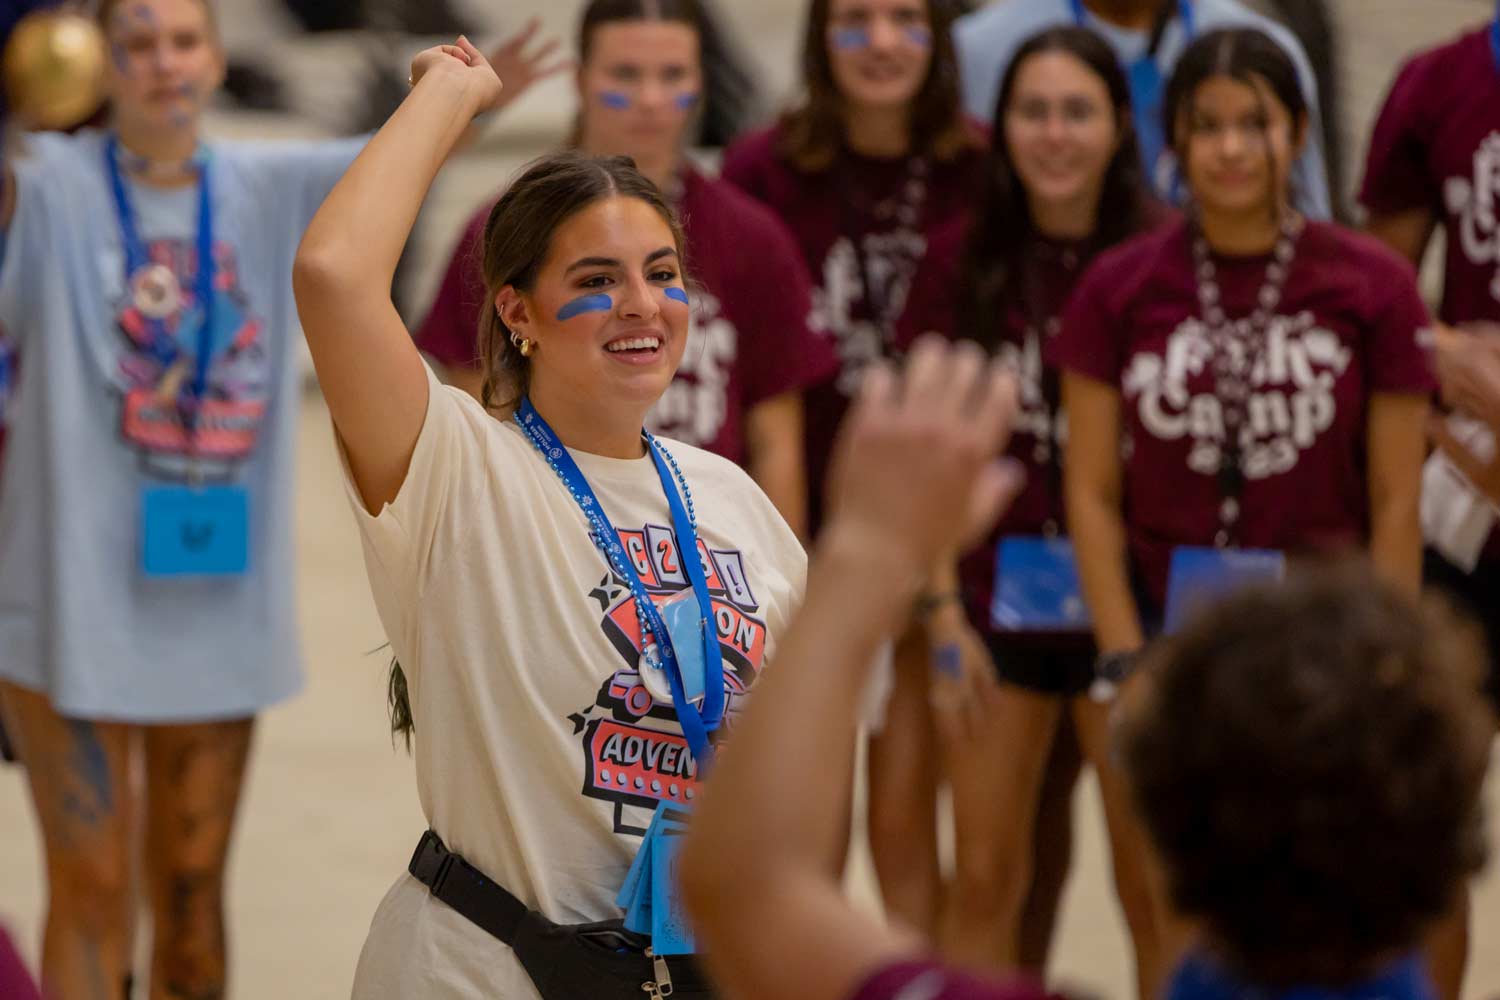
x=687 y=102
x=851 y=38
x=920 y=37
x=585 y=304
x=678 y=295
x=614 y=100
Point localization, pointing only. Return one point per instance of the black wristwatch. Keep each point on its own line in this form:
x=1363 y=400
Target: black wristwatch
x=1110 y=671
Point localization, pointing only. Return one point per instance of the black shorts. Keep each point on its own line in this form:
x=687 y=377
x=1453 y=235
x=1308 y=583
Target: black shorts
x=1478 y=594
x=1055 y=665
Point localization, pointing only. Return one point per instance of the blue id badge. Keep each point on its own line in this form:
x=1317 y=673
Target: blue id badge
x=671 y=933
x=188 y=531
x=684 y=620
x=1200 y=576
x=1036 y=587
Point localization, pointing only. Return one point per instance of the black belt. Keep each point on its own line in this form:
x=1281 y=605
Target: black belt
x=466 y=889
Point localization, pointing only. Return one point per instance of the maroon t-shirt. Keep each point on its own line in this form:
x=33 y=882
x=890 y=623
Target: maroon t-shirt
x=861 y=222
x=750 y=342
x=15 y=982
x=1051 y=270
x=933 y=981
x=1436 y=146
x=1349 y=325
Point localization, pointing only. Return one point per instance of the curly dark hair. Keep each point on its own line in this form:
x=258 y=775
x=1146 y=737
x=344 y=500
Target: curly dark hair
x=1308 y=760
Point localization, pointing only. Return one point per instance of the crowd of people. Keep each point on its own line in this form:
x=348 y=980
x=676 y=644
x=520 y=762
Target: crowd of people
x=1031 y=324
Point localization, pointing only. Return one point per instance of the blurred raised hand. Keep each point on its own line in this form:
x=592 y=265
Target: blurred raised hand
x=521 y=62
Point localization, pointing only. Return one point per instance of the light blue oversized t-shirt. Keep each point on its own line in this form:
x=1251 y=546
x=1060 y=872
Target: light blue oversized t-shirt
x=79 y=620
x=989 y=37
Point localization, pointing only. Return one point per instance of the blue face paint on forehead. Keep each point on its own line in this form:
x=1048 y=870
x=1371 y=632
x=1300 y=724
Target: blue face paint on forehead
x=677 y=295
x=851 y=38
x=614 y=100
x=585 y=304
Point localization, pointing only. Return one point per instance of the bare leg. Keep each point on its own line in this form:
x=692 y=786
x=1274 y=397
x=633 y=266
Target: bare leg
x=1052 y=844
x=78 y=774
x=902 y=806
x=996 y=776
x=1129 y=848
x=193 y=778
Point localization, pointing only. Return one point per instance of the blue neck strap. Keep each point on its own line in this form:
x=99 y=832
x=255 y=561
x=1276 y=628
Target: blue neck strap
x=1147 y=83
x=1202 y=978
x=164 y=345
x=696 y=723
x=1495 y=39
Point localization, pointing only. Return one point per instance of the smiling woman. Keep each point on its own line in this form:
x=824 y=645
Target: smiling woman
x=577 y=604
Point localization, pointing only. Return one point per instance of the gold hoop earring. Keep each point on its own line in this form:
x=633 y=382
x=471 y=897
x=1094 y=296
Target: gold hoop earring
x=523 y=344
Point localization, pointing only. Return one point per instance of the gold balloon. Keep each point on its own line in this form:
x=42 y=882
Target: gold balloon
x=54 y=69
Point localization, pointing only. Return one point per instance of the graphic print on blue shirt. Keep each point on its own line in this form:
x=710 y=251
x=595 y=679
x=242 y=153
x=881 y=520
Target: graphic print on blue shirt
x=634 y=753
x=239 y=375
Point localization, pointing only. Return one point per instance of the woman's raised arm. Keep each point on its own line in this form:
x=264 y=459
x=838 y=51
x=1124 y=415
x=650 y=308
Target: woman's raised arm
x=370 y=373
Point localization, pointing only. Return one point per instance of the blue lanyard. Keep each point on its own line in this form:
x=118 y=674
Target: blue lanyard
x=696 y=723
x=164 y=346
x=1495 y=39
x=1146 y=89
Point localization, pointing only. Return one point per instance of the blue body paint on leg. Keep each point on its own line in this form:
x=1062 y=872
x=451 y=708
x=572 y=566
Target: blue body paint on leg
x=91 y=762
x=677 y=294
x=614 y=100
x=586 y=304
x=851 y=38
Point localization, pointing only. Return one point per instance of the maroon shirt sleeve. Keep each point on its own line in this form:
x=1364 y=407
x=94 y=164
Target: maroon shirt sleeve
x=1396 y=175
x=1091 y=340
x=931 y=302
x=450 y=333
x=1399 y=349
x=787 y=354
x=15 y=982
x=931 y=981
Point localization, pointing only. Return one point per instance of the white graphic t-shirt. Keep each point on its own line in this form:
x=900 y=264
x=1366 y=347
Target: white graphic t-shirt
x=540 y=755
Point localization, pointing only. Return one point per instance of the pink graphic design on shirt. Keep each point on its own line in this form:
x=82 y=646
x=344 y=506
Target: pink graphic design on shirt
x=634 y=752
x=238 y=388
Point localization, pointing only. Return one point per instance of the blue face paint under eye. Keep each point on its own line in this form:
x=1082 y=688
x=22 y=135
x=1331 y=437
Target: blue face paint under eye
x=614 y=100
x=687 y=102
x=919 y=36
x=851 y=38
x=585 y=304
x=677 y=294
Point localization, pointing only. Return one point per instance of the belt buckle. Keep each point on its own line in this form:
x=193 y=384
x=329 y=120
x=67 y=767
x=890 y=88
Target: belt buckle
x=432 y=856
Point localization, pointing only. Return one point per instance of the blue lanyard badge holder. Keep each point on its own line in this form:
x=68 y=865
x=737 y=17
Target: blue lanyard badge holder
x=680 y=664
x=186 y=530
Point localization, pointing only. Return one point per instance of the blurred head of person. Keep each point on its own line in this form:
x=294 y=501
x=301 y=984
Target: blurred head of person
x=165 y=63
x=640 y=79
x=583 y=265
x=1062 y=165
x=1237 y=119
x=884 y=63
x=1308 y=760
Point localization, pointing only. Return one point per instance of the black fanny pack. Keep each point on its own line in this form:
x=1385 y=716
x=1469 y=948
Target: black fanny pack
x=599 y=961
